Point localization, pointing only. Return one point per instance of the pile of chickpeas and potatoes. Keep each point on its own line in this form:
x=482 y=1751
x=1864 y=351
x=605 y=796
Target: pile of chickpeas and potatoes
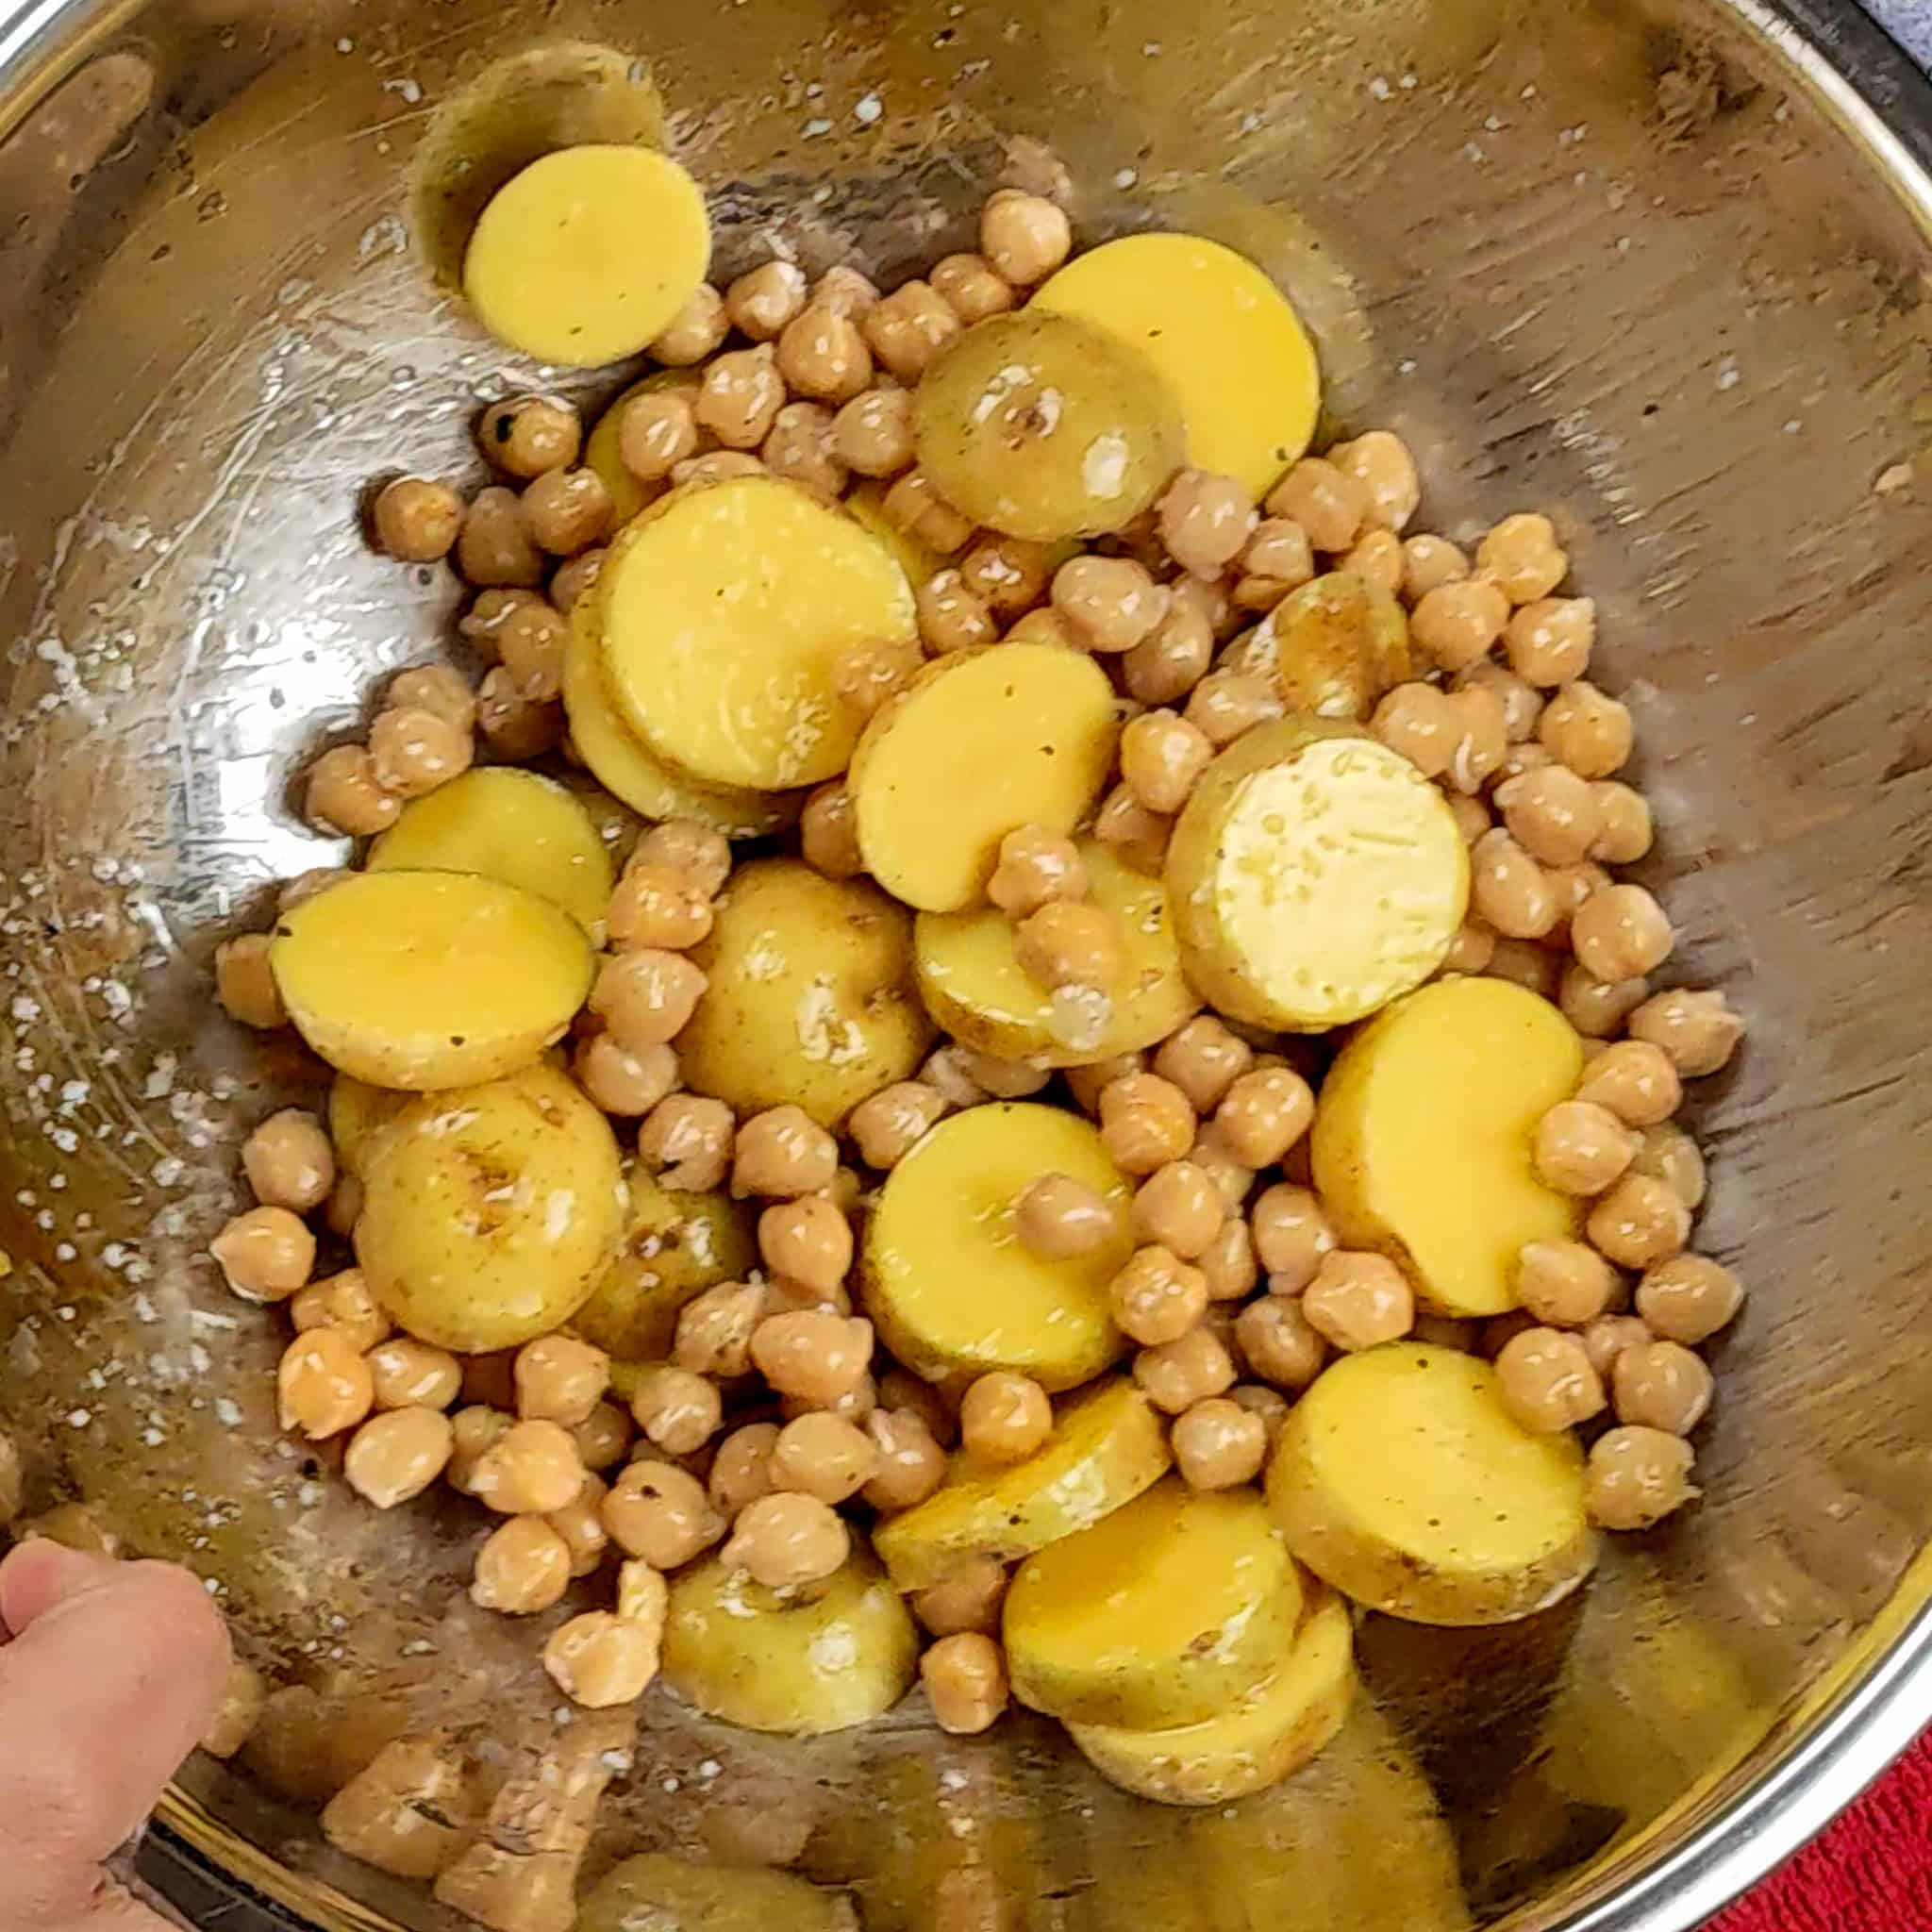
x=1050 y=1151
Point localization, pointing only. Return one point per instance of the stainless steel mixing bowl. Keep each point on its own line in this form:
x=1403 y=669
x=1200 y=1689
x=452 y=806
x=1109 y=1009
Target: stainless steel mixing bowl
x=1659 y=265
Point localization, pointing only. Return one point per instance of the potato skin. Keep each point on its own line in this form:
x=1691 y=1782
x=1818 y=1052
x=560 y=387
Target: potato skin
x=1339 y=645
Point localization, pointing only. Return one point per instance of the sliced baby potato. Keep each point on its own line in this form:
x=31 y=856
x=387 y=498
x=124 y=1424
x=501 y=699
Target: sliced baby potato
x=509 y=825
x=725 y=612
x=866 y=507
x=356 y=1113
x=800 y=1662
x=812 y=999
x=1422 y=1143
x=1267 y=1735
x=625 y=766
x=1220 y=332
x=1336 y=647
x=604 y=447
x=1108 y=1444
x=1401 y=1479
x=489 y=1214
x=978 y=745
x=1166 y=1612
x=584 y=256
x=429 y=979
x=656 y=1892
x=973 y=985
x=1314 y=876
x=944 y=1275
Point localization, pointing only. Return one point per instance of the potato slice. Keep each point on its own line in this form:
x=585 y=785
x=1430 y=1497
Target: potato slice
x=604 y=447
x=1220 y=331
x=821 y=1658
x=1401 y=1479
x=975 y=987
x=725 y=610
x=1166 y=1612
x=942 y=1274
x=1422 y=1140
x=1314 y=877
x=489 y=1214
x=811 y=998
x=980 y=743
x=429 y=979
x=356 y=1113
x=507 y=824
x=1108 y=1445
x=625 y=766
x=1278 y=1728
x=656 y=1891
x=584 y=256
x=1335 y=647
x=920 y=561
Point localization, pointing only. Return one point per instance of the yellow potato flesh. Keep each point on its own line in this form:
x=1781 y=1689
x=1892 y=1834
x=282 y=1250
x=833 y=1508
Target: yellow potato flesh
x=507 y=825
x=604 y=447
x=821 y=1659
x=1314 y=876
x=725 y=612
x=627 y=767
x=1423 y=1138
x=1108 y=1445
x=489 y=1214
x=943 y=1274
x=1401 y=1479
x=670 y=1894
x=1267 y=1736
x=1222 y=335
x=920 y=561
x=973 y=985
x=1166 y=1612
x=356 y=1113
x=584 y=256
x=423 y=980
x=811 y=1000
x=980 y=744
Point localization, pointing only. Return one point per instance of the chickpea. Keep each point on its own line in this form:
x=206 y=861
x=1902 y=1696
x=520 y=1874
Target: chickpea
x=872 y=433
x=567 y=511
x=1523 y=706
x=965 y=1679
x=1329 y=503
x=657 y=432
x=1625 y=832
x=428 y=688
x=1661 y=1385
x=1480 y=742
x=824 y=1456
x=786 y=1539
x=1179 y=1207
x=1520 y=759
x=397 y=1454
x=237 y=1713
x=1357 y=1301
x=918 y=508
x=1007 y=573
x=602 y=1438
x=1420 y=724
x=694 y=331
x=741 y=1470
x=516 y=726
x=474 y=1431
x=601 y=1662
x=1564 y=1283
x=1609 y=1336
x=1639 y=1222
x=417 y=521
x=1638 y=1476
x=244 y=984
x=1587 y=731
x=1218 y=1161
x=1220 y=1444
x=1376 y=560
x=1264 y=1113
x=1057 y=1219
x=1688 y=1298
x=1068 y=944
x=1457 y=624
x=580 y=1525
x=677 y=1411
x=761 y=302
x=1553 y=814
x=951 y=617
x=1036 y=868
x=1380 y=463
x=622 y=1082
x=1204 y=1060
x=972 y=288
x=1470 y=950
x=1582 y=1148
x=947 y=1072
x=740 y=396
x=1268 y=1403
x=407 y=1374
x=524 y=1567
x=1597 y=1007
x=1147 y=1121
x=343 y=794
x=264 y=1255
x=1087 y=1083
x=686 y=1141
x=1529 y=965
x=1697 y=1032
x=413 y=752
x=1227 y=702
x=1228 y=1261
x=1176 y=1374
x=660 y=1515
x=1136 y=836
x=289 y=1161
x=1547 y=1381
x=906 y=329
x=1279 y=1343
x=1472 y=816
x=1158 y=1297
x=1292 y=1238
x=1162 y=757
x=892 y=1123
x=1024 y=237
x=866 y=676
x=783 y=1154
x=909 y=1464
x=1521 y=557
x=342 y=1302
x=1549 y=640
x=1621 y=933
x=1004 y=1418
x=1636 y=1081
x=812 y=1353
x=808 y=1241
x=1671 y=1156
x=646 y=997
x=1168 y=664
x=529 y=435
x=559 y=1379
x=967 y=1598
x=496 y=547
x=1003 y=1079
x=323 y=1385
x=530 y=1470
x=800 y=448
x=714 y=1330
x=683 y=845
x=1427 y=565
x=1206 y=521
x=823 y=355
x=1110 y=602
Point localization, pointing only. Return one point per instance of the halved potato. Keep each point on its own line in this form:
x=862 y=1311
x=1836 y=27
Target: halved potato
x=1108 y=1444
x=944 y=1275
x=1314 y=877
x=725 y=610
x=975 y=988
x=811 y=998
x=509 y=825
x=356 y=1113
x=1422 y=1143
x=1269 y=1735
x=1335 y=647
x=980 y=743
x=655 y=1892
x=489 y=1214
x=1401 y=1479
x=1166 y=1612
x=429 y=979
x=821 y=1658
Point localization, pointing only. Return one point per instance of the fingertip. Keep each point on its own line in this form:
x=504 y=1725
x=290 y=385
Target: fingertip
x=177 y=1601
x=39 y=1573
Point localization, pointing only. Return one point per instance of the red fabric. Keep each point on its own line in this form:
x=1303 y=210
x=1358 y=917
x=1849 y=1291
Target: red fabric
x=1872 y=1871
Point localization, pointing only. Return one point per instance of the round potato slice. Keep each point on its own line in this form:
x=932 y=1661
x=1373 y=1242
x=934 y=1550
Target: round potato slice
x=978 y=745
x=800 y=1662
x=1269 y=1735
x=423 y=980
x=725 y=610
x=1166 y=1612
x=1221 y=334
x=1401 y=1479
x=489 y=1214
x=866 y=507
x=1108 y=1446
x=507 y=825
x=973 y=985
x=584 y=256
x=1421 y=1142
x=944 y=1275
x=356 y=1113
x=1314 y=876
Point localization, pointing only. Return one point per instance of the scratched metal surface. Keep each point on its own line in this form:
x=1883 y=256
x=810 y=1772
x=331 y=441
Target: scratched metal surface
x=1615 y=259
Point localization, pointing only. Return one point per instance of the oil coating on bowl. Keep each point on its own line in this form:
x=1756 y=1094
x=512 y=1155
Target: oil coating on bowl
x=1653 y=264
